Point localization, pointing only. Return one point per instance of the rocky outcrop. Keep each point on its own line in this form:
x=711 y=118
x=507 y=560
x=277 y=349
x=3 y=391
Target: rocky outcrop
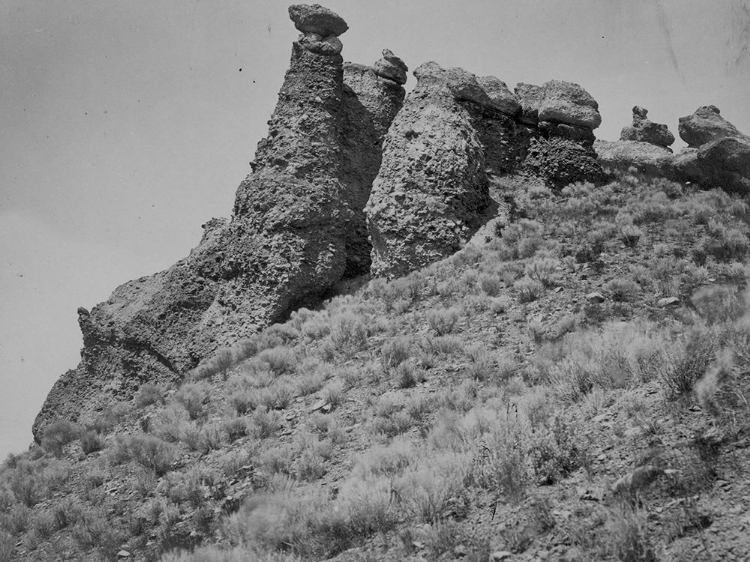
x=565 y=115
x=297 y=229
x=718 y=154
x=568 y=103
x=645 y=157
x=456 y=131
x=432 y=183
x=705 y=125
x=643 y=130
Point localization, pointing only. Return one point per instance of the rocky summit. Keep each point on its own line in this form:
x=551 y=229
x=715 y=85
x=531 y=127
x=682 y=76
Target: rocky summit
x=356 y=179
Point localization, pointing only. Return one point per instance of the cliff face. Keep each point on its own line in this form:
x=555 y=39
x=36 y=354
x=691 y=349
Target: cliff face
x=297 y=229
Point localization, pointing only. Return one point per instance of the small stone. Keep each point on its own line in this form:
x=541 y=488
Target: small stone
x=595 y=297
x=500 y=555
x=318 y=405
x=123 y=554
x=667 y=301
x=460 y=551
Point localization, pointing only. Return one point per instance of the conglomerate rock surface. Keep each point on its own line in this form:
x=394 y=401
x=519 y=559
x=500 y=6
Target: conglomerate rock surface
x=645 y=130
x=297 y=229
x=453 y=134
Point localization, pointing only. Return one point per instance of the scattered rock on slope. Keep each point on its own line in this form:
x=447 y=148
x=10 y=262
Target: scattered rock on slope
x=297 y=229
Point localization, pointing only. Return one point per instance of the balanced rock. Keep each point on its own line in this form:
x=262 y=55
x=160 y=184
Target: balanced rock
x=569 y=103
x=705 y=125
x=391 y=67
x=502 y=98
x=317 y=19
x=297 y=230
x=645 y=130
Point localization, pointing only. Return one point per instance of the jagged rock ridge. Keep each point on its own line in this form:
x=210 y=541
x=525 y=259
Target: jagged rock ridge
x=297 y=229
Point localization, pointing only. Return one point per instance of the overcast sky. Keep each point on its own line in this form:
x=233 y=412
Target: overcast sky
x=126 y=125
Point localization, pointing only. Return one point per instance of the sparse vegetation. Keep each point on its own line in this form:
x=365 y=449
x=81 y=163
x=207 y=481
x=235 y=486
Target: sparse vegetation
x=486 y=387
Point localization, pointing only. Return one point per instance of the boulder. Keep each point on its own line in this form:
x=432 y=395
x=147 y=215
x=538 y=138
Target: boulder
x=644 y=130
x=432 y=185
x=705 y=125
x=569 y=103
x=502 y=98
x=720 y=153
x=391 y=67
x=646 y=157
x=317 y=19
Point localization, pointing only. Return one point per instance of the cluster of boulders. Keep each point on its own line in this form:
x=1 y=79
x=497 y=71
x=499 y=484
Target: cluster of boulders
x=717 y=155
x=455 y=132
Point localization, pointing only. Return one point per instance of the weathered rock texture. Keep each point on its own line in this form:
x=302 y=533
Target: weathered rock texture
x=718 y=154
x=705 y=125
x=644 y=130
x=453 y=134
x=297 y=229
x=565 y=116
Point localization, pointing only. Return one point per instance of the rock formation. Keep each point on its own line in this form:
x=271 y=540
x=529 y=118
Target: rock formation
x=644 y=130
x=704 y=126
x=454 y=132
x=432 y=183
x=351 y=179
x=297 y=229
x=565 y=115
x=718 y=155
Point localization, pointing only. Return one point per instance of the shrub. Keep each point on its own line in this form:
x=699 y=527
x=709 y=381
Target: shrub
x=219 y=363
x=443 y=321
x=490 y=284
x=58 y=434
x=280 y=360
x=542 y=270
x=111 y=416
x=91 y=442
x=528 y=289
x=148 y=451
x=630 y=235
x=687 y=362
x=395 y=351
x=349 y=334
x=149 y=394
x=193 y=397
x=718 y=304
x=264 y=423
x=622 y=289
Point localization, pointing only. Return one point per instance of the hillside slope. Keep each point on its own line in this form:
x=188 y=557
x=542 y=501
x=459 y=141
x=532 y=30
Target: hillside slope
x=572 y=385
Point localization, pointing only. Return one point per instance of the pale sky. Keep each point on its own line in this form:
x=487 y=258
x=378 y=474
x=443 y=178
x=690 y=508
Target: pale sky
x=126 y=125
